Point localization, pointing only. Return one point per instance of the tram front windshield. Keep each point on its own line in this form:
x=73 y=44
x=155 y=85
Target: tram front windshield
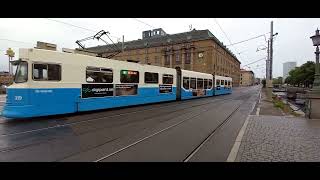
x=21 y=73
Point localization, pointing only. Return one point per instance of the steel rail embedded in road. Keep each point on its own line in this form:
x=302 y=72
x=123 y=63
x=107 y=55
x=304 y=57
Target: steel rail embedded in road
x=165 y=129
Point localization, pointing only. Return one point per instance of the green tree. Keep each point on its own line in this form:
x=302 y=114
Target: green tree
x=277 y=80
x=303 y=75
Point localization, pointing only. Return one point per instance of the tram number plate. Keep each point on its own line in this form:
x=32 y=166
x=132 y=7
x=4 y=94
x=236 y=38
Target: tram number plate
x=96 y=90
x=165 y=88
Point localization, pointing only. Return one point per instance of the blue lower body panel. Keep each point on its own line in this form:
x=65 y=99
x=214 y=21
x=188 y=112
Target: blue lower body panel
x=189 y=94
x=25 y=103
x=220 y=91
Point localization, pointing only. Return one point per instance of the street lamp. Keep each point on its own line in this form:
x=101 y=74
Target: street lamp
x=10 y=53
x=316 y=42
x=313 y=96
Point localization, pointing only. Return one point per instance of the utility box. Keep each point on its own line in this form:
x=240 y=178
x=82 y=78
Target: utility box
x=47 y=46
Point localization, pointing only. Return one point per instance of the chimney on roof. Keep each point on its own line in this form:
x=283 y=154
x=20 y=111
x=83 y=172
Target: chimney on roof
x=45 y=45
x=153 y=33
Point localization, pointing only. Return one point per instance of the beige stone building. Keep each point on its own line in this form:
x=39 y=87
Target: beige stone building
x=196 y=50
x=246 y=78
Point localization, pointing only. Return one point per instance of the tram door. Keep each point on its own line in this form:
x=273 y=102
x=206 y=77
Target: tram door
x=178 y=93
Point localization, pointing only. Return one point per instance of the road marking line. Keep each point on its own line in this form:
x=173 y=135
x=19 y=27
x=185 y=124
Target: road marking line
x=234 y=151
x=235 y=148
x=258 y=111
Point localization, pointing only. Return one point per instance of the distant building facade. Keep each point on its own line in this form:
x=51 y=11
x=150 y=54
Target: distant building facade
x=247 y=78
x=196 y=50
x=6 y=78
x=287 y=67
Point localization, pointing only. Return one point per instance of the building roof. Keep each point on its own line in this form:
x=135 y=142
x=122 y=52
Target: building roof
x=194 y=35
x=243 y=70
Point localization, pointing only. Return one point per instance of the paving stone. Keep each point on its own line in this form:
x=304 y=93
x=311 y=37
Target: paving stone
x=280 y=138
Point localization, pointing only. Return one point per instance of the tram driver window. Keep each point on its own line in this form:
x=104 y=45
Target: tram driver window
x=186 y=82
x=99 y=75
x=167 y=79
x=46 y=72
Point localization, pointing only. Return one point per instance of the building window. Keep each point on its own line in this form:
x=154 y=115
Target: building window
x=156 y=60
x=187 y=58
x=167 y=79
x=166 y=60
x=151 y=77
x=177 y=58
x=127 y=76
x=46 y=72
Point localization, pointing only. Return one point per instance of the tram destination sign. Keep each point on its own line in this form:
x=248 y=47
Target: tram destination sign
x=96 y=90
x=163 y=88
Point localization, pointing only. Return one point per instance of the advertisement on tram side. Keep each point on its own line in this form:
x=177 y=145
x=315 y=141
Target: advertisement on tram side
x=126 y=89
x=96 y=90
x=199 y=92
x=164 y=88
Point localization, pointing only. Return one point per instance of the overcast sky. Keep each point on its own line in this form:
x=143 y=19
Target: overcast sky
x=293 y=42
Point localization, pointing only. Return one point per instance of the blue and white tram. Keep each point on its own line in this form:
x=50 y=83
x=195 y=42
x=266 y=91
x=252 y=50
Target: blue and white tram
x=223 y=85
x=50 y=82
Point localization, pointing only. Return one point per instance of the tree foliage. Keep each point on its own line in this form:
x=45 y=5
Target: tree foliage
x=277 y=80
x=303 y=75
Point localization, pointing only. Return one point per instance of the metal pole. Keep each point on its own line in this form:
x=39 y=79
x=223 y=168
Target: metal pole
x=271 y=50
x=267 y=62
x=9 y=66
x=122 y=43
x=316 y=82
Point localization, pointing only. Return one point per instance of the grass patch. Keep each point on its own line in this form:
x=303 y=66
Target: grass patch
x=284 y=107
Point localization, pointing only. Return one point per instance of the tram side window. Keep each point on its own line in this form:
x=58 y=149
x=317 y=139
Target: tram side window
x=99 y=75
x=127 y=76
x=218 y=82
x=186 y=82
x=222 y=82
x=199 y=83
x=205 y=84
x=193 y=83
x=210 y=84
x=46 y=72
x=225 y=82
x=167 y=79
x=151 y=77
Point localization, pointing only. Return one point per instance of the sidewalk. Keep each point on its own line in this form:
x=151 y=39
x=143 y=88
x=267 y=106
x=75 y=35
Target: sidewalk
x=272 y=135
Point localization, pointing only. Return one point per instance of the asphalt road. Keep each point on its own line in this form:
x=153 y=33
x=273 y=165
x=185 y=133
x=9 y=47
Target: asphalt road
x=194 y=130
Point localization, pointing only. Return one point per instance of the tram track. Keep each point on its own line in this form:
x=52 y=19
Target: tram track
x=194 y=151
x=50 y=139
x=24 y=146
